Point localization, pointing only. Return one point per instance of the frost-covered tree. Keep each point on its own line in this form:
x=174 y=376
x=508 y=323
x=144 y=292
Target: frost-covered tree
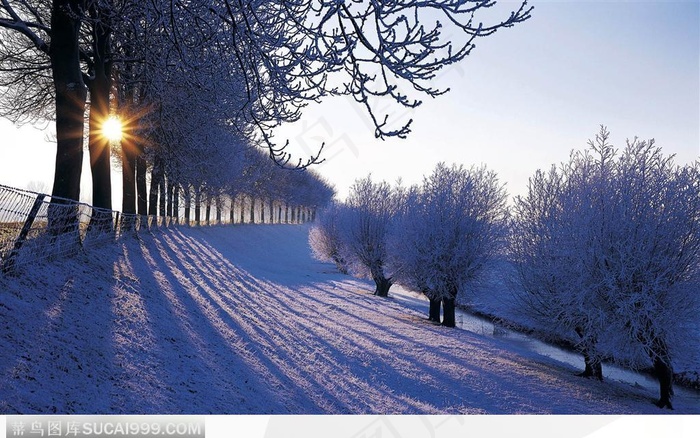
x=552 y=233
x=325 y=237
x=448 y=230
x=365 y=224
x=651 y=259
x=608 y=247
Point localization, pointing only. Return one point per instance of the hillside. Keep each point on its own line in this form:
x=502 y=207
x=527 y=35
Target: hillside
x=242 y=320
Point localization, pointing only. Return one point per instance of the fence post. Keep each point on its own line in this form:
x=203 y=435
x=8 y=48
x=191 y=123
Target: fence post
x=10 y=261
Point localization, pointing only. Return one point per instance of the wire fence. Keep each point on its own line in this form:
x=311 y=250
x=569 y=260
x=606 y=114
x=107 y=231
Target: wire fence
x=38 y=227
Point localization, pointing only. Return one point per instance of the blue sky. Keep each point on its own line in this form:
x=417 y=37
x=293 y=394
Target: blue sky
x=521 y=101
x=529 y=95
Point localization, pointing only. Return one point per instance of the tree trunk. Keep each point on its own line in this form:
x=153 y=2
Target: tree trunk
x=197 y=205
x=156 y=177
x=340 y=263
x=448 y=310
x=593 y=366
x=169 y=205
x=262 y=211
x=142 y=193
x=252 y=210
x=383 y=286
x=98 y=144
x=232 y=211
x=71 y=96
x=664 y=372
x=219 y=206
x=208 y=210
x=176 y=203
x=128 y=185
x=161 y=197
x=188 y=203
x=153 y=194
x=434 y=312
x=128 y=178
x=241 y=206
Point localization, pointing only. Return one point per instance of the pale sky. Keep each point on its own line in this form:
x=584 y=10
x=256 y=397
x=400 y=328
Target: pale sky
x=528 y=95
x=522 y=100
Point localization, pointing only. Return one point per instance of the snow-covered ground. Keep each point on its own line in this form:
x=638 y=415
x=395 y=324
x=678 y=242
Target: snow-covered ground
x=496 y=297
x=242 y=320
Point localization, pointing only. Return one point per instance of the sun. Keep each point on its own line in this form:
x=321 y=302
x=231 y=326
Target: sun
x=112 y=129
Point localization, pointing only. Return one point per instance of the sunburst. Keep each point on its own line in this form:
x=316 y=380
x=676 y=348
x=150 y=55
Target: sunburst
x=112 y=129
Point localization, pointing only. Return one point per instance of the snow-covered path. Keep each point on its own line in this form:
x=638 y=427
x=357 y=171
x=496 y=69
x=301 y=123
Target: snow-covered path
x=242 y=320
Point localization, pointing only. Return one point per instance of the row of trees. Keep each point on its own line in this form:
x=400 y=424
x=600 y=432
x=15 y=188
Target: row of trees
x=606 y=247
x=434 y=238
x=259 y=192
x=204 y=80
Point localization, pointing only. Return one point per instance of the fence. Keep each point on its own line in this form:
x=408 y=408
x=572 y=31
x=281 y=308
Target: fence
x=36 y=227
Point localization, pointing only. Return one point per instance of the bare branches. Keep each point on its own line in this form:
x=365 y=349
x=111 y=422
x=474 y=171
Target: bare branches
x=26 y=93
x=391 y=50
x=290 y=53
x=28 y=20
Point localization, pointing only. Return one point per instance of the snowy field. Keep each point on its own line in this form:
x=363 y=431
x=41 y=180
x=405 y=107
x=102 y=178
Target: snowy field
x=241 y=320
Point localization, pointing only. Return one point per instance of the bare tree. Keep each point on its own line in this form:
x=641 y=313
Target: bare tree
x=26 y=82
x=47 y=62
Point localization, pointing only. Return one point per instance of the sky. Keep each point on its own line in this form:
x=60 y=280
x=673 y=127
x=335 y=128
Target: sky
x=521 y=101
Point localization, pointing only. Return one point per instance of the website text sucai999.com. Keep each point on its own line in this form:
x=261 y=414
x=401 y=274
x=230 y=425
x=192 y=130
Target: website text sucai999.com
x=104 y=426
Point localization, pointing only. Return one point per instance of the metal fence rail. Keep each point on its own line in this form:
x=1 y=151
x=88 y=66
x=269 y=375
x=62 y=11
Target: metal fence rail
x=36 y=227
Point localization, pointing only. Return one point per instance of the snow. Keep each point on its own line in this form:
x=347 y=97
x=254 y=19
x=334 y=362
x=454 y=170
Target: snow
x=241 y=320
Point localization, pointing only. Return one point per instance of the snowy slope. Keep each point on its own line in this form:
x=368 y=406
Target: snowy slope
x=242 y=320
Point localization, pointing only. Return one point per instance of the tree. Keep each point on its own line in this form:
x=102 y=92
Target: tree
x=365 y=224
x=652 y=261
x=26 y=83
x=553 y=229
x=40 y=37
x=449 y=229
x=325 y=237
x=609 y=248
